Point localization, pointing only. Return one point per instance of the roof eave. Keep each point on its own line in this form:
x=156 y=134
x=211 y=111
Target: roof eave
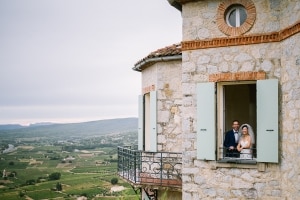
x=175 y=4
x=142 y=65
x=178 y=3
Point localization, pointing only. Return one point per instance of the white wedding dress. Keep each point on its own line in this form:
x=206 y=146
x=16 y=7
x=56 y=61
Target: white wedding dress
x=245 y=153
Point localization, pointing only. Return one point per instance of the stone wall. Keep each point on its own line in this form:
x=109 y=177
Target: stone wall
x=279 y=60
x=289 y=12
x=166 y=76
x=289 y=116
x=149 y=79
x=200 y=21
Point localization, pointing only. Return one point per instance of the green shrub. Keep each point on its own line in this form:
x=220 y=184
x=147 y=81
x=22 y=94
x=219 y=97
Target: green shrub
x=22 y=193
x=30 y=182
x=114 y=181
x=13 y=174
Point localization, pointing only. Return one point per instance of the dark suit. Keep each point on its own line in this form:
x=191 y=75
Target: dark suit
x=230 y=141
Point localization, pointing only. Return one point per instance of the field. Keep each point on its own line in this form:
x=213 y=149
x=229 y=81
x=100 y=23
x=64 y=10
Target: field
x=29 y=172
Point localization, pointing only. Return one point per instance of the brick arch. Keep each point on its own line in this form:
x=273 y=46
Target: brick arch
x=245 y=27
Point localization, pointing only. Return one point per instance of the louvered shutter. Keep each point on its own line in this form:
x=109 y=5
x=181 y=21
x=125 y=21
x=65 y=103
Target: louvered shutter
x=206 y=119
x=141 y=123
x=153 y=121
x=267 y=120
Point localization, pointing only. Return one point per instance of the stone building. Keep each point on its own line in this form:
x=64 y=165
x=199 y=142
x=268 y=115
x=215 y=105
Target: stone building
x=238 y=59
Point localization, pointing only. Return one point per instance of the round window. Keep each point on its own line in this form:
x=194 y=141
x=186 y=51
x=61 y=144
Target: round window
x=236 y=17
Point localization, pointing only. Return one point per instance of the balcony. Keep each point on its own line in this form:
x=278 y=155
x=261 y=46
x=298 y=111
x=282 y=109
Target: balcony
x=142 y=168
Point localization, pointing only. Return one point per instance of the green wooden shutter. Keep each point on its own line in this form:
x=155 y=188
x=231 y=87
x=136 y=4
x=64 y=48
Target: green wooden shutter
x=206 y=119
x=141 y=123
x=267 y=120
x=153 y=121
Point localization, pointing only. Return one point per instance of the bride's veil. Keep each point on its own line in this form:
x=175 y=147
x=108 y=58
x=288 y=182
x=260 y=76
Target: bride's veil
x=250 y=131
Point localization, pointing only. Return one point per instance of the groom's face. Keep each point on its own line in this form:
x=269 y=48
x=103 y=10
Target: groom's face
x=235 y=125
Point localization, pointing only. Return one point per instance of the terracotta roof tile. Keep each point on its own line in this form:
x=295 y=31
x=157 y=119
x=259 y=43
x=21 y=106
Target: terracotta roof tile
x=172 y=50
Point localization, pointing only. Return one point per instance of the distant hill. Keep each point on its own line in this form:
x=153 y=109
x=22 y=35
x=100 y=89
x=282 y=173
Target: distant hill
x=91 y=128
x=10 y=126
x=18 y=126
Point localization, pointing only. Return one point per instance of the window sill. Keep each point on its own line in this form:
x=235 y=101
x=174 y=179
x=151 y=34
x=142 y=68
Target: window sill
x=240 y=163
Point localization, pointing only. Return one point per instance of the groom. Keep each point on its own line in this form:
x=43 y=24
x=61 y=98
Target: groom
x=231 y=140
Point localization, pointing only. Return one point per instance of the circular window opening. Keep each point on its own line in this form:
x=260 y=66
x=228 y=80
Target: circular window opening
x=236 y=15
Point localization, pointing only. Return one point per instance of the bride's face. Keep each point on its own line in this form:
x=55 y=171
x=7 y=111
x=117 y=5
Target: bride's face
x=245 y=130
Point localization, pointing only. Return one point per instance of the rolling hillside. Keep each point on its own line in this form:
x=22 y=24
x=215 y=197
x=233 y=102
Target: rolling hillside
x=92 y=128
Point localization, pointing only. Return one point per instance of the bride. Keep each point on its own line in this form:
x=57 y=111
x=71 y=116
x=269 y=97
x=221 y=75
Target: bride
x=246 y=141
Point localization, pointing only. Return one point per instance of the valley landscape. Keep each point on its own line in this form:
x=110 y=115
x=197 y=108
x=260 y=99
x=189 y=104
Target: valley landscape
x=65 y=161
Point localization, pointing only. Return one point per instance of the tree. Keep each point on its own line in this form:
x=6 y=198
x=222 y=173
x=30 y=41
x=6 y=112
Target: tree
x=30 y=182
x=58 y=186
x=54 y=176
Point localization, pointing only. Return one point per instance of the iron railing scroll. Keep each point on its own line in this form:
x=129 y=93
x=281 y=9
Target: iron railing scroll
x=150 y=168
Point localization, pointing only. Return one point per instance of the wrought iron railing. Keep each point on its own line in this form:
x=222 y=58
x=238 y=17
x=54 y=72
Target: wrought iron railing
x=150 y=168
x=245 y=156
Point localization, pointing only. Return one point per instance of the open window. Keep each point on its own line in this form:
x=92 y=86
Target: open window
x=235 y=101
x=147 y=134
x=255 y=103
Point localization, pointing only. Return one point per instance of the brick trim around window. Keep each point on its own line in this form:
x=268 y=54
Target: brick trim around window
x=238 y=76
x=246 y=26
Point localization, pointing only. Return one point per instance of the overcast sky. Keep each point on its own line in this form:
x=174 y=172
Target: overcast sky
x=71 y=60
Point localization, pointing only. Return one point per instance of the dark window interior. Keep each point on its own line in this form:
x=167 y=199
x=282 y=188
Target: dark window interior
x=240 y=104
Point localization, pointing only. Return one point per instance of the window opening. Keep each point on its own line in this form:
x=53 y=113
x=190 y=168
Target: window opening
x=236 y=102
x=236 y=15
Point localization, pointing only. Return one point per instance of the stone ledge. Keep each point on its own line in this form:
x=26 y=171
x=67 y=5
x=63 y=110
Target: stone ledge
x=259 y=166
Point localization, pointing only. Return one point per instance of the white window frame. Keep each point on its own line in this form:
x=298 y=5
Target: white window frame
x=237 y=9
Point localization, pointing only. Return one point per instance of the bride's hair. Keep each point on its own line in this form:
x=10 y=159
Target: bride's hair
x=250 y=132
x=245 y=126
